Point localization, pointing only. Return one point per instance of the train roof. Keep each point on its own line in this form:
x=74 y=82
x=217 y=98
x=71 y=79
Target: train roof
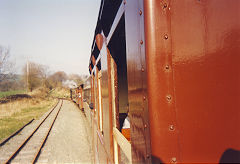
x=107 y=13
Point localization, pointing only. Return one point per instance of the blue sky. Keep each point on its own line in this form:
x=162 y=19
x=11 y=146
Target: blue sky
x=56 y=33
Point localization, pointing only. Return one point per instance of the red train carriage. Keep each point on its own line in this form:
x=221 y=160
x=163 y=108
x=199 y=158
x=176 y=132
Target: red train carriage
x=76 y=95
x=170 y=68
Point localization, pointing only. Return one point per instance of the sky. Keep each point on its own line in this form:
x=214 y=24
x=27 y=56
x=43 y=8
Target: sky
x=55 y=33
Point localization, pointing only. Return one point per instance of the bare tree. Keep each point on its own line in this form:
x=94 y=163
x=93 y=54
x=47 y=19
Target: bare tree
x=57 y=78
x=35 y=75
x=5 y=65
x=43 y=74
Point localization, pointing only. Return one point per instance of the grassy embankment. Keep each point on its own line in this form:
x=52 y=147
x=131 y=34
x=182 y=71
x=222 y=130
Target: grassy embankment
x=15 y=114
x=8 y=93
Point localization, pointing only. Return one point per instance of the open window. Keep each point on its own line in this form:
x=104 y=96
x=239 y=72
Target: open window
x=117 y=48
x=121 y=121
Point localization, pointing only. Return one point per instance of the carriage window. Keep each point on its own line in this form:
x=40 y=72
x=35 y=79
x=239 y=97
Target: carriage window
x=121 y=125
x=117 y=47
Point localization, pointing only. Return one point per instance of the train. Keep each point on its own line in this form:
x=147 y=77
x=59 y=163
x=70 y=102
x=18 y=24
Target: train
x=164 y=82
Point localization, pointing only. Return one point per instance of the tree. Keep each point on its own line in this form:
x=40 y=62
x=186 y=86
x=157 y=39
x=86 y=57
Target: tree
x=5 y=65
x=35 y=75
x=57 y=78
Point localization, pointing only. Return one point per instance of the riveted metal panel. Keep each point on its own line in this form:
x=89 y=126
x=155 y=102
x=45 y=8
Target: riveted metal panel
x=193 y=59
x=162 y=111
x=137 y=88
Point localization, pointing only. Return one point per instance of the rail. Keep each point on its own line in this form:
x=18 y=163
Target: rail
x=35 y=130
x=45 y=139
x=15 y=133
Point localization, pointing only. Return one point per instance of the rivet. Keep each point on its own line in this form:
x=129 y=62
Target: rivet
x=167 y=66
x=142 y=69
x=145 y=125
x=141 y=42
x=140 y=12
x=171 y=127
x=174 y=159
x=144 y=98
x=148 y=156
x=165 y=36
x=169 y=97
x=165 y=5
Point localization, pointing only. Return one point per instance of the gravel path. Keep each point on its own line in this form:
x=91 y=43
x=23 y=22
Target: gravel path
x=68 y=141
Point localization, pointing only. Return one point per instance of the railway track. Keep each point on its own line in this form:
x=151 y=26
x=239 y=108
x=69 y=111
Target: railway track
x=15 y=133
x=29 y=150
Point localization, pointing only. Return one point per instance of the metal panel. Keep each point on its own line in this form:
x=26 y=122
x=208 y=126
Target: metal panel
x=195 y=46
x=209 y=67
x=164 y=131
x=136 y=71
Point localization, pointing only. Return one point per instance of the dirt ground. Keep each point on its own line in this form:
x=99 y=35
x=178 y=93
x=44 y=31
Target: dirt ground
x=68 y=141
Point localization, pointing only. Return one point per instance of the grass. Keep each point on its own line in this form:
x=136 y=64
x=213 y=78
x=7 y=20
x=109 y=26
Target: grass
x=8 y=93
x=14 y=115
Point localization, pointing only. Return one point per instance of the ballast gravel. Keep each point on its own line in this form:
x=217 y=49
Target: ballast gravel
x=69 y=139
